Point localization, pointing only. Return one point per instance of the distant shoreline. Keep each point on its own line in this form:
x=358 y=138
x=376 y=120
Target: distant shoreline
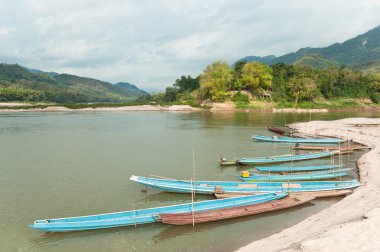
x=214 y=107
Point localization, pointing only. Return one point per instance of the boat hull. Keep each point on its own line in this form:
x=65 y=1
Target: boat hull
x=276 y=130
x=285 y=158
x=222 y=214
x=143 y=216
x=320 y=175
x=212 y=187
x=297 y=140
x=350 y=148
x=316 y=194
x=296 y=168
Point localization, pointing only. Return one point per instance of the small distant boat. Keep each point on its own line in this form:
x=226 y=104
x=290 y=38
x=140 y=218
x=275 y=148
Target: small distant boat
x=148 y=215
x=349 y=148
x=276 y=130
x=318 y=175
x=222 y=214
x=224 y=162
x=212 y=187
x=297 y=140
x=281 y=168
x=285 y=158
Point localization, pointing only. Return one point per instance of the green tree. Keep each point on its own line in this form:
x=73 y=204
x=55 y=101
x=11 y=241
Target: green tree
x=170 y=94
x=301 y=87
x=237 y=82
x=256 y=77
x=327 y=81
x=215 y=81
x=281 y=74
x=186 y=83
x=374 y=88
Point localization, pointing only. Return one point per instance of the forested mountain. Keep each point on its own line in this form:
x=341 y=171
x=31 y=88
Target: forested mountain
x=356 y=52
x=36 y=71
x=21 y=84
x=130 y=88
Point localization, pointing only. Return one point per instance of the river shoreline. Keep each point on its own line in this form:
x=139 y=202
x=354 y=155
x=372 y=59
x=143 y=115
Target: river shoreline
x=352 y=224
x=215 y=108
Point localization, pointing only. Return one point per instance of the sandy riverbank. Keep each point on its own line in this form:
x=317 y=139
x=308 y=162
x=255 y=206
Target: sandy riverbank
x=352 y=224
x=226 y=107
x=108 y=109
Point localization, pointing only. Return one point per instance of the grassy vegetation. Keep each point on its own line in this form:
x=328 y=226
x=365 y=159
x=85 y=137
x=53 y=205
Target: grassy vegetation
x=341 y=103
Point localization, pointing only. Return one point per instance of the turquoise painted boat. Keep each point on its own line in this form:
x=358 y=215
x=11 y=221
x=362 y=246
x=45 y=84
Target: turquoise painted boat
x=297 y=140
x=281 y=168
x=212 y=187
x=285 y=158
x=319 y=175
x=148 y=215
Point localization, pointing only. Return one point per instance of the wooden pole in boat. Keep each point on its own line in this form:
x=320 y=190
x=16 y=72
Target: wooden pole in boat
x=192 y=202
x=134 y=214
x=309 y=115
x=340 y=160
x=348 y=140
x=193 y=191
x=193 y=164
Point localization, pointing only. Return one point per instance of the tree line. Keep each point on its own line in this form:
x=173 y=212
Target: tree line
x=279 y=82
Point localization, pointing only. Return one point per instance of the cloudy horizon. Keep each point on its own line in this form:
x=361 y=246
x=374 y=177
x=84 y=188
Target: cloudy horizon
x=152 y=43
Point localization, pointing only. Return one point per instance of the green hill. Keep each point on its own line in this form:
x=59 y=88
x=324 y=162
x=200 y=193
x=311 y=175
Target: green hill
x=315 y=61
x=360 y=50
x=20 y=84
x=372 y=67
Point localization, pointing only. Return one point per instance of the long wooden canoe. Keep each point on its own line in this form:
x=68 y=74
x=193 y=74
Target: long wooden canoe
x=280 y=168
x=316 y=194
x=211 y=187
x=276 y=130
x=285 y=158
x=148 y=215
x=221 y=214
x=297 y=140
x=341 y=148
x=318 y=175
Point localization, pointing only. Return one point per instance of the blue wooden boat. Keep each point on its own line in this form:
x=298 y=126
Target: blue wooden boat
x=281 y=168
x=149 y=215
x=319 y=175
x=212 y=187
x=285 y=158
x=297 y=140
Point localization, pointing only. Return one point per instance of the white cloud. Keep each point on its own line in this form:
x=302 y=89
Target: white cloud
x=152 y=43
x=3 y=32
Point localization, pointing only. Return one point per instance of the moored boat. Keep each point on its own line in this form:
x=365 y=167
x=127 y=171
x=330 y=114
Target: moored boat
x=347 y=148
x=297 y=140
x=318 y=175
x=285 y=158
x=280 y=168
x=316 y=194
x=221 y=214
x=276 y=130
x=224 y=162
x=212 y=187
x=148 y=215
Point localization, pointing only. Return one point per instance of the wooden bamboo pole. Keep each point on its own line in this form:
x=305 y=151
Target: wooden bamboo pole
x=134 y=214
x=193 y=191
x=192 y=202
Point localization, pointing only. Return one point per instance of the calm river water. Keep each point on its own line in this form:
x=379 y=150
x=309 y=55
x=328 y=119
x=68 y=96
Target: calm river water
x=69 y=164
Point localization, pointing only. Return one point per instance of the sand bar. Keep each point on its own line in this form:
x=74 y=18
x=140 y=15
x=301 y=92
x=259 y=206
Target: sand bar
x=353 y=223
x=183 y=108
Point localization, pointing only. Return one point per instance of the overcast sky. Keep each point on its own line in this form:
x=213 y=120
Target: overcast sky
x=152 y=43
